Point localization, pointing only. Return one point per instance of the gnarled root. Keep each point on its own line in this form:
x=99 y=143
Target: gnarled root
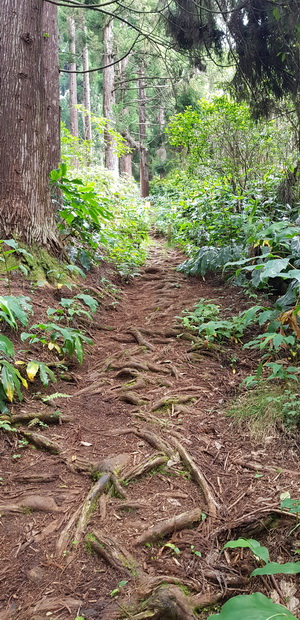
x=82 y=515
x=113 y=553
x=153 y=461
x=179 y=522
x=197 y=475
x=140 y=339
x=170 y=604
x=41 y=442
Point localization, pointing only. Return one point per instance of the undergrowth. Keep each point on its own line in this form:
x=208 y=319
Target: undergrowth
x=263 y=408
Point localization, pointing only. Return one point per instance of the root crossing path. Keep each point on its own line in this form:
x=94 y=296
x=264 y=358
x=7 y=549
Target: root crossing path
x=124 y=512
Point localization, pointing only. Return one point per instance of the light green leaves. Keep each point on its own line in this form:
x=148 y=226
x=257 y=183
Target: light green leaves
x=261 y=552
x=252 y=607
x=273 y=568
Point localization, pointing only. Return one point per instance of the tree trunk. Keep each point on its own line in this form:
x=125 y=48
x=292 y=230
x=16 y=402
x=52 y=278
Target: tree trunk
x=86 y=89
x=51 y=72
x=73 y=81
x=144 y=172
x=111 y=158
x=126 y=164
x=25 y=206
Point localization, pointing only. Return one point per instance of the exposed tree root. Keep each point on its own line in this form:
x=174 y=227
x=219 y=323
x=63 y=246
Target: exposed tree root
x=170 y=604
x=92 y=388
x=163 y=333
x=150 y=583
x=40 y=441
x=154 y=440
x=254 y=518
x=35 y=478
x=120 y=338
x=117 y=486
x=132 y=399
x=130 y=364
x=140 y=340
x=82 y=515
x=139 y=384
x=199 y=601
x=112 y=464
x=10 y=508
x=152 y=462
x=197 y=475
x=113 y=553
x=36 y=503
x=179 y=522
x=127 y=373
x=158 y=368
x=48 y=418
x=171 y=400
x=130 y=506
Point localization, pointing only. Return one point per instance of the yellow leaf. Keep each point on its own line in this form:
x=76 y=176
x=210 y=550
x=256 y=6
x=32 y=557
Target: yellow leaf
x=234 y=371
x=31 y=369
x=50 y=346
x=10 y=393
x=19 y=363
x=24 y=382
x=266 y=242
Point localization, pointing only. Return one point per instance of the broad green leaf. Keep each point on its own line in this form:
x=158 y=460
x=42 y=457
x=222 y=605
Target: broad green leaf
x=273 y=268
x=6 y=346
x=252 y=607
x=250 y=543
x=273 y=568
x=89 y=301
x=46 y=374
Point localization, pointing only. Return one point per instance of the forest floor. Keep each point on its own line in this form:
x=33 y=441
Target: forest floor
x=151 y=478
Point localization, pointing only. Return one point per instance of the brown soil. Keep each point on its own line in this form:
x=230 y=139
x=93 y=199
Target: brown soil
x=141 y=392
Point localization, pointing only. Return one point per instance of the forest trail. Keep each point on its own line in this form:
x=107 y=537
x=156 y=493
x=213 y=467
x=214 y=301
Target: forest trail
x=148 y=458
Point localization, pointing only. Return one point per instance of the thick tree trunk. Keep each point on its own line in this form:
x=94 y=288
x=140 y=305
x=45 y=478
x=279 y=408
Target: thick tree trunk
x=86 y=88
x=111 y=158
x=25 y=205
x=144 y=172
x=73 y=80
x=51 y=72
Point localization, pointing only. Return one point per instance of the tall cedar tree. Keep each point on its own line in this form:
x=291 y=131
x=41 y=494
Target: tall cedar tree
x=25 y=205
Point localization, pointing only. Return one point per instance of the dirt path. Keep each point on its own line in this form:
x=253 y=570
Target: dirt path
x=146 y=459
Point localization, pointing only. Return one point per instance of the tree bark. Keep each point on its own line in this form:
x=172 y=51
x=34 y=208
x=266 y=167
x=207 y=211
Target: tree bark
x=25 y=206
x=110 y=158
x=126 y=164
x=86 y=88
x=73 y=81
x=144 y=172
x=51 y=72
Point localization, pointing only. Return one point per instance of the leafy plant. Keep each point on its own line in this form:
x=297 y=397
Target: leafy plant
x=35 y=367
x=62 y=339
x=254 y=606
x=204 y=320
x=270 y=568
x=14 y=310
x=74 y=307
x=5 y=255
